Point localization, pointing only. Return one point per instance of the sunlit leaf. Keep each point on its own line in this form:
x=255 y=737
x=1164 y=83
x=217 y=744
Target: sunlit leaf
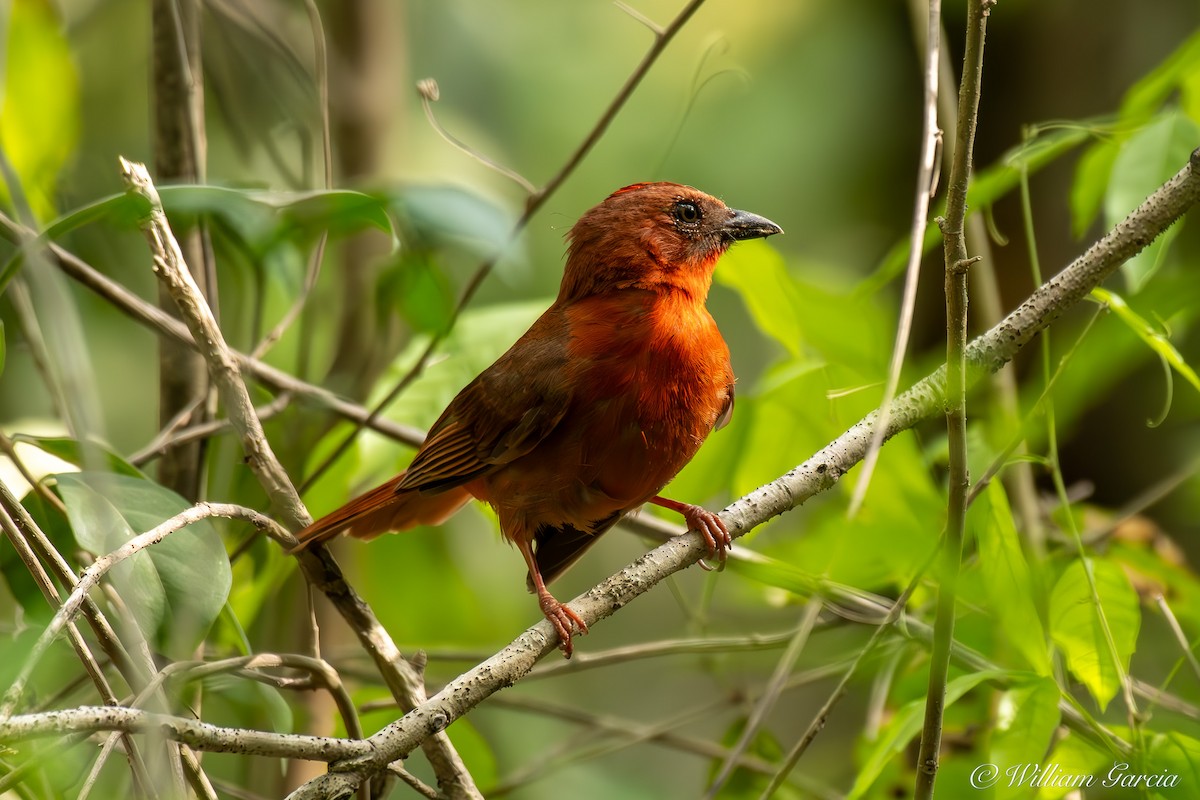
x=1076 y=628
x=1146 y=160
x=757 y=273
x=1006 y=579
x=39 y=114
x=177 y=587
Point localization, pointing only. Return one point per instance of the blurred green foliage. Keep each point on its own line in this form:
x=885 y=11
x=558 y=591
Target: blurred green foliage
x=806 y=112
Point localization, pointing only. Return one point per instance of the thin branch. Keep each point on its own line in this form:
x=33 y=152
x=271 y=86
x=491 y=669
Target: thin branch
x=195 y=734
x=930 y=138
x=959 y=480
x=766 y=703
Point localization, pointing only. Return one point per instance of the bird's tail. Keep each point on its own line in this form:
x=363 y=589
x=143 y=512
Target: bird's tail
x=383 y=510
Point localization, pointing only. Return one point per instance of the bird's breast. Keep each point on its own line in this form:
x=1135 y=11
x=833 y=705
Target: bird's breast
x=657 y=378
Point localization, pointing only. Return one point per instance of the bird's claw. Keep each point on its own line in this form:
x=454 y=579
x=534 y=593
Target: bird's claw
x=562 y=617
x=714 y=532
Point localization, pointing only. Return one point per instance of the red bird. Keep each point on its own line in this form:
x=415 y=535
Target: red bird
x=597 y=407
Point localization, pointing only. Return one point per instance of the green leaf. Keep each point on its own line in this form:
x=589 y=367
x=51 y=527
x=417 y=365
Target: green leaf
x=1026 y=718
x=1076 y=626
x=758 y=273
x=1092 y=173
x=39 y=115
x=1147 y=160
x=419 y=288
x=1006 y=579
x=3 y=346
x=175 y=588
x=1174 y=755
x=906 y=725
x=439 y=215
x=1147 y=333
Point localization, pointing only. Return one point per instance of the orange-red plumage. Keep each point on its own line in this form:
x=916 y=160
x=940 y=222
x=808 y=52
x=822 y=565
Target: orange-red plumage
x=597 y=407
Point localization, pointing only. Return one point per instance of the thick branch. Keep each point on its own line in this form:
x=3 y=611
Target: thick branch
x=985 y=355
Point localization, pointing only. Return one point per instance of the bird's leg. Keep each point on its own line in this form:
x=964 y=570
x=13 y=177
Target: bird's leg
x=560 y=614
x=704 y=522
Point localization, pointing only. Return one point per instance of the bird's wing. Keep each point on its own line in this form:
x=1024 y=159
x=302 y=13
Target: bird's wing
x=500 y=416
x=726 y=411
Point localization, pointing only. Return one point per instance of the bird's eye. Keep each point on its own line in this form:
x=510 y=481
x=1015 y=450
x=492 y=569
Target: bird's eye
x=687 y=212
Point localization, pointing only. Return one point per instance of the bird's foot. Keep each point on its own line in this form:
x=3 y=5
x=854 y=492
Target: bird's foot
x=561 y=617
x=712 y=529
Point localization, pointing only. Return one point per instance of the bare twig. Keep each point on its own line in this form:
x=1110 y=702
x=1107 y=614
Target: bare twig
x=920 y=218
x=318 y=565
x=767 y=702
x=198 y=735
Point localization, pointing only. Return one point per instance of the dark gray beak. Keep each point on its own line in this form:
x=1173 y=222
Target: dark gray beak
x=743 y=225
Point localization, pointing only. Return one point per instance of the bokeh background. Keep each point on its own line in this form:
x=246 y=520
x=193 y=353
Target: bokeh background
x=805 y=111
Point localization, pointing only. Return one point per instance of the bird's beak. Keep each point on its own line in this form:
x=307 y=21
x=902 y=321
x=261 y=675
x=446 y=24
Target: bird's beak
x=744 y=225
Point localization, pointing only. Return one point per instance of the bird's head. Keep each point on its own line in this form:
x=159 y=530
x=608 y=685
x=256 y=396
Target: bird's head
x=656 y=236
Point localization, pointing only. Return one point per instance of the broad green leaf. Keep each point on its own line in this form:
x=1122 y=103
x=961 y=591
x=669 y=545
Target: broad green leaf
x=177 y=587
x=906 y=725
x=1147 y=160
x=1026 y=718
x=1007 y=581
x=1157 y=342
x=39 y=111
x=1075 y=625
